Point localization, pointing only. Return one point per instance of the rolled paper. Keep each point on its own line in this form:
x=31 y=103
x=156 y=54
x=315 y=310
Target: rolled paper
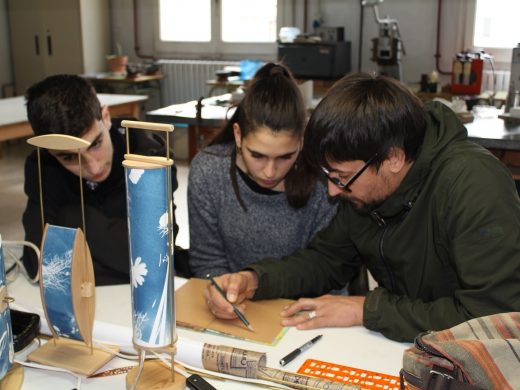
x=251 y=364
x=56 y=267
x=151 y=288
x=6 y=333
x=233 y=361
x=189 y=352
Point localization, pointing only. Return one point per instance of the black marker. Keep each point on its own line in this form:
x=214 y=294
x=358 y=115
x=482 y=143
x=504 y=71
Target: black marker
x=196 y=382
x=297 y=351
x=237 y=311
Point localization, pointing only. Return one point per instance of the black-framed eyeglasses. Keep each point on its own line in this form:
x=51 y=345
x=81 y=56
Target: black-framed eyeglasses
x=345 y=185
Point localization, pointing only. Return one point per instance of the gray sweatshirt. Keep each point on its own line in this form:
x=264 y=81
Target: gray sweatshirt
x=225 y=238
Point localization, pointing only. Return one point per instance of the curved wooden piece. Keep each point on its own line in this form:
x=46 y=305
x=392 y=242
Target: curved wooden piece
x=58 y=142
x=83 y=287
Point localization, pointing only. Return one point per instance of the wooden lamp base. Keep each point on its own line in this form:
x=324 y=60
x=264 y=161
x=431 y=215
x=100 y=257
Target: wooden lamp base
x=72 y=355
x=13 y=380
x=155 y=375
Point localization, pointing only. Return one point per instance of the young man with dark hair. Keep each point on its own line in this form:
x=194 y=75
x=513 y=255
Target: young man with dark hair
x=435 y=218
x=68 y=104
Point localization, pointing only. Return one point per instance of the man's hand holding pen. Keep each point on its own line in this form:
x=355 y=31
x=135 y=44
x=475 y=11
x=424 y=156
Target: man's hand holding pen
x=237 y=286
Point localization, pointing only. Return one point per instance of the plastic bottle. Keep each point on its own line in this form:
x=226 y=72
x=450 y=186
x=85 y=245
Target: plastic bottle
x=466 y=72
x=457 y=72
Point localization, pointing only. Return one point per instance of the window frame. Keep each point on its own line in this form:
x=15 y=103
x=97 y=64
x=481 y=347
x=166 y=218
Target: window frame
x=501 y=56
x=216 y=48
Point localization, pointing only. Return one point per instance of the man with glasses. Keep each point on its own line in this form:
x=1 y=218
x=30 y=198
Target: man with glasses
x=433 y=216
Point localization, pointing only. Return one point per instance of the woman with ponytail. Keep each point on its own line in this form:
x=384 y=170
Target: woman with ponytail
x=250 y=195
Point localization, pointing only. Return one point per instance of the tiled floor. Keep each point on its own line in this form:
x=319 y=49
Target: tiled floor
x=13 y=199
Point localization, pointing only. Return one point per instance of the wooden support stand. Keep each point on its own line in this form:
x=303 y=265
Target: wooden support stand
x=13 y=380
x=72 y=355
x=155 y=375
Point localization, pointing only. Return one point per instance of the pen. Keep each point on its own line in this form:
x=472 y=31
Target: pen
x=297 y=351
x=235 y=309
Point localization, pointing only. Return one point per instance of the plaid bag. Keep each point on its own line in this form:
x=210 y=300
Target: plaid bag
x=483 y=353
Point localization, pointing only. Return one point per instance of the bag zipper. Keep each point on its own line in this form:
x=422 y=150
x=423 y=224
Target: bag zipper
x=382 y=223
x=419 y=344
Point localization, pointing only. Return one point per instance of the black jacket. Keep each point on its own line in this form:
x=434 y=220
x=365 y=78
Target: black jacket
x=105 y=206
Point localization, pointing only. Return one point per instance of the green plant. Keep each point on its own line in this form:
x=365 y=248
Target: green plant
x=118 y=53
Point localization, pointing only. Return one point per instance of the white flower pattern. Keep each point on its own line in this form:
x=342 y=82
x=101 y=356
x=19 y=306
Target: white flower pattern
x=135 y=175
x=139 y=271
x=140 y=320
x=55 y=272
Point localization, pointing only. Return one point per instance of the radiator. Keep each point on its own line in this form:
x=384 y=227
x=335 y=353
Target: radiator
x=185 y=80
x=502 y=80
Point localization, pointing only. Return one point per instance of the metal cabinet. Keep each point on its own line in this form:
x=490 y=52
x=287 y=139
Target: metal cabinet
x=57 y=36
x=316 y=60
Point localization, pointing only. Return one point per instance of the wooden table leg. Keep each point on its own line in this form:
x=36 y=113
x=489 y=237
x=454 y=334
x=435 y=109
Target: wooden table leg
x=198 y=139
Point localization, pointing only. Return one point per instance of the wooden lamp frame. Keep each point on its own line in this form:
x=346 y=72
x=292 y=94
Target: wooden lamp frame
x=73 y=355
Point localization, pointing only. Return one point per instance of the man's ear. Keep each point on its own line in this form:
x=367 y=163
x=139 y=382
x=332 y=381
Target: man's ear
x=396 y=159
x=105 y=115
x=238 y=135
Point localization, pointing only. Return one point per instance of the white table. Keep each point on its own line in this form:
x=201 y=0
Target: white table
x=214 y=113
x=354 y=347
x=13 y=112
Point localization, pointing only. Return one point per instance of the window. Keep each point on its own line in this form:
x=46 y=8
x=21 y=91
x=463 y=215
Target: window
x=219 y=28
x=496 y=24
x=249 y=21
x=494 y=27
x=191 y=24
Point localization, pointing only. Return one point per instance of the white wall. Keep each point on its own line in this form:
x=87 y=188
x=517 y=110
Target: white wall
x=417 y=20
x=122 y=18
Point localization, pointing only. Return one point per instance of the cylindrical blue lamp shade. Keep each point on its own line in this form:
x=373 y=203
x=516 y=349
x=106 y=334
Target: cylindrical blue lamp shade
x=57 y=253
x=151 y=283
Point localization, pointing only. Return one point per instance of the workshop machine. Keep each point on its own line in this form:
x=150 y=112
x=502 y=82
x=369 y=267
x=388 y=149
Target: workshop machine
x=388 y=46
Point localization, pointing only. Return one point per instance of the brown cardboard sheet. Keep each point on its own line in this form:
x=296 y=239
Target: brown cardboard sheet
x=264 y=316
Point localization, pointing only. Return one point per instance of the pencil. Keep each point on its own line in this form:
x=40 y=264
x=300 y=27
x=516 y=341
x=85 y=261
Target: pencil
x=239 y=314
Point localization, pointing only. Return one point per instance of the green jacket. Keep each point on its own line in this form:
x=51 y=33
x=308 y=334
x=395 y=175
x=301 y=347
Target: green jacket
x=444 y=247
